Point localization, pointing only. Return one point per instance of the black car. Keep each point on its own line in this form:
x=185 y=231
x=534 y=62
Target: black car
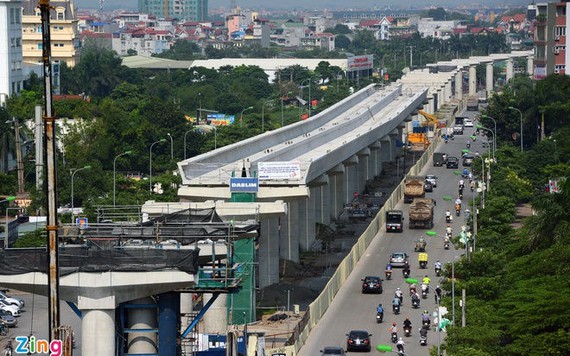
x=468 y=160
x=428 y=187
x=358 y=340
x=371 y=284
x=452 y=162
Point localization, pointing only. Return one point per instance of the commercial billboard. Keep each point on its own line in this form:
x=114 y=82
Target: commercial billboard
x=244 y=184
x=279 y=170
x=220 y=119
x=360 y=62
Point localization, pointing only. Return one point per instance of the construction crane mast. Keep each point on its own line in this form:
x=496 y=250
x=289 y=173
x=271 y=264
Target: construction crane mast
x=101 y=2
x=51 y=176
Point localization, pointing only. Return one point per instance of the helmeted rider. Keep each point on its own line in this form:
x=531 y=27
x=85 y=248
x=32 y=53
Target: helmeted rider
x=461 y=183
x=400 y=345
x=406 y=269
x=448 y=230
x=437 y=264
x=426 y=280
x=399 y=294
x=425 y=316
x=389 y=266
x=380 y=309
x=437 y=293
x=458 y=201
x=415 y=297
x=396 y=302
x=407 y=323
x=393 y=328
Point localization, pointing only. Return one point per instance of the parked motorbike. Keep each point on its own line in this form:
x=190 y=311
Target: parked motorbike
x=394 y=337
x=379 y=317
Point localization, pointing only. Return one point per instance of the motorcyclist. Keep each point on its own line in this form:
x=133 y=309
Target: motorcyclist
x=437 y=264
x=399 y=294
x=380 y=311
x=425 y=317
x=394 y=328
x=423 y=332
x=468 y=144
x=458 y=201
x=415 y=297
x=389 y=267
x=406 y=270
x=467 y=214
x=396 y=302
x=472 y=185
x=412 y=289
x=437 y=294
x=407 y=323
x=426 y=280
x=445 y=157
x=470 y=176
x=400 y=345
x=461 y=184
x=448 y=231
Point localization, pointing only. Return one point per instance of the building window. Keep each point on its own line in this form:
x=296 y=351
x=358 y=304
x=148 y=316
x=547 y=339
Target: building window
x=60 y=16
x=40 y=46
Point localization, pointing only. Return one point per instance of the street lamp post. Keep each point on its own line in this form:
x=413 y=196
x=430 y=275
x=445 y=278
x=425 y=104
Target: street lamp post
x=215 y=137
x=480 y=127
x=150 y=163
x=186 y=133
x=263 y=114
x=520 y=113
x=495 y=123
x=337 y=79
x=282 y=118
x=171 y=145
x=241 y=115
x=72 y=172
x=309 y=101
x=114 y=172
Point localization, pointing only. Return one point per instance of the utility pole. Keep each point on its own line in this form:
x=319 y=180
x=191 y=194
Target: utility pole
x=463 y=308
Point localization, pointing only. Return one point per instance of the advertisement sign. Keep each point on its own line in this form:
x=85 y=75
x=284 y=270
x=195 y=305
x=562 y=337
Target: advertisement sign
x=360 y=62
x=220 y=119
x=279 y=170
x=242 y=184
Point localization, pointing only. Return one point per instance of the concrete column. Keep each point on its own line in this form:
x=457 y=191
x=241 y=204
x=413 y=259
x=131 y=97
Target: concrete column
x=510 y=69
x=143 y=342
x=489 y=84
x=472 y=80
x=335 y=191
x=529 y=66
x=289 y=236
x=448 y=91
x=459 y=85
x=268 y=252
x=350 y=166
x=325 y=204
x=430 y=105
x=439 y=100
x=363 y=170
x=306 y=225
x=186 y=307
x=216 y=319
x=386 y=149
x=98 y=332
x=374 y=165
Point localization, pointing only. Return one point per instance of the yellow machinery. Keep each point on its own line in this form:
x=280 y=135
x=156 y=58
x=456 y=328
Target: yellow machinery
x=431 y=119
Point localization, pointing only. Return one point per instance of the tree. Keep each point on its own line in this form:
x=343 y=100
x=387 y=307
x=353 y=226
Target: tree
x=342 y=41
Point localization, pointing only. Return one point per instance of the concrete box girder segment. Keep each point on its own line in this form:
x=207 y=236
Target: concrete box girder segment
x=226 y=210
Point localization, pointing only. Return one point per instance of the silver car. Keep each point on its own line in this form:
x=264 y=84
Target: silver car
x=332 y=351
x=8 y=319
x=398 y=259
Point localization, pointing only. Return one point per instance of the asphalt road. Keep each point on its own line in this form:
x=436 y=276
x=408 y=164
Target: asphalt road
x=351 y=309
x=34 y=320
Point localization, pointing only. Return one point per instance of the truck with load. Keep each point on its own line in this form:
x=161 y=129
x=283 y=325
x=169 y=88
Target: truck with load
x=394 y=221
x=472 y=103
x=421 y=213
x=439 y=159
x=413 y=188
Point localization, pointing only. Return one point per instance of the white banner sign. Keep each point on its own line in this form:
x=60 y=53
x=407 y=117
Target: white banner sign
x=279 y=170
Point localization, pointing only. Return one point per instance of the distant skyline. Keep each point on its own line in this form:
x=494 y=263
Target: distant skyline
x=312 y=4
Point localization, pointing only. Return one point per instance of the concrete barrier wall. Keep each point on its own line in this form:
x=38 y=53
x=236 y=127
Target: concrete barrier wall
x=319 y=306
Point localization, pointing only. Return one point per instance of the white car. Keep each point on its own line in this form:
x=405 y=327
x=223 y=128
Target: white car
x=12 y=309
x=468 y=123
x=19 y=302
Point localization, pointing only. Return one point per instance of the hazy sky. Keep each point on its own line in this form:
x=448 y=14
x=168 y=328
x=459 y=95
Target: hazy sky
x=308 y=4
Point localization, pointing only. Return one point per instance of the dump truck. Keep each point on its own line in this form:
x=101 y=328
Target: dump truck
x=413 y=188
x=472 y=103
x=421 y=213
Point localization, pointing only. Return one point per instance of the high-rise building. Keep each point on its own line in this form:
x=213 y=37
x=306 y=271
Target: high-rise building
x=64 y=33
x=551 y=24
x=11 y=73
x=185 y=10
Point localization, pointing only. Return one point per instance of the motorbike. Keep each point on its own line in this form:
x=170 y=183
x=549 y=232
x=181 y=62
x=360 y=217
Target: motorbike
x=388 y=274
x=426 y=324
x=420 y=246
x=457 y=211
x=468 y=145
x=446 y=245
x=438 y=272
x=423 y=264
x=379 y=317
x=415 y=303
x=448 y=219
x=406 y=273
x=407 y=331
x=400 y=350
x=396 y=309
x=394 y=337
x=425 y=290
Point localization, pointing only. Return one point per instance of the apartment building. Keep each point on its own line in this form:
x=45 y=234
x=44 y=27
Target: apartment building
x=65 y=45
x=551 y=24
x=185 y=10
x=11 y=73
